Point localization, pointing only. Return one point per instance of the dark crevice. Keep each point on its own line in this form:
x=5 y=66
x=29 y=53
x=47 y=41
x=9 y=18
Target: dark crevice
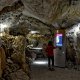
x=46 y=24
x=14 y=7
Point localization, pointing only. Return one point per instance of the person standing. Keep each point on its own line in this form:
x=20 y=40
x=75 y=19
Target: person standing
x=50 y=55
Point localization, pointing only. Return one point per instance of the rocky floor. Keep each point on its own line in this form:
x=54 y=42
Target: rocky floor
x=39 y=71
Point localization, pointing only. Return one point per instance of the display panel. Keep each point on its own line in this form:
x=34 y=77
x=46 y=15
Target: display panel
x=59 y=39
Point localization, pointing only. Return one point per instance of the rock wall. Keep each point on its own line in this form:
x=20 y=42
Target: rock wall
x=45 y=10
x=63 y=12
x=4 y=3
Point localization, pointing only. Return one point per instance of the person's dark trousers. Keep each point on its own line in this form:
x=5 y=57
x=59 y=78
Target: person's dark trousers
x=50 y=60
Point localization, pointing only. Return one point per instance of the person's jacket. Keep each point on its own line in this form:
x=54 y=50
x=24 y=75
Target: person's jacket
x=49 y=50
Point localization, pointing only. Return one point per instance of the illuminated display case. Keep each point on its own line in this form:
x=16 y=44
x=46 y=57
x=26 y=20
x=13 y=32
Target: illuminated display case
x=59 y=41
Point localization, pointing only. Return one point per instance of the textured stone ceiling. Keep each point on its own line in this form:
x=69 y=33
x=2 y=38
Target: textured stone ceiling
x=45 y=10
x=51 y=11
x=41 y=13
x=4 y=3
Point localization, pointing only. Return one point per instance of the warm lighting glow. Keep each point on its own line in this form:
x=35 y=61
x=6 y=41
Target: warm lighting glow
x=1 y=34
x=57 y=31
x=33 y=32
x=40 y=62
x=37 y=48
x=76 y=29
x=2 y=27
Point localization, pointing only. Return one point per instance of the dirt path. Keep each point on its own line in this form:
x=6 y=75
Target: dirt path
x=41 y=72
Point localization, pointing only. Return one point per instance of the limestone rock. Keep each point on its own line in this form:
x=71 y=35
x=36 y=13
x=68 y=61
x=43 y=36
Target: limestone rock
x=4 y=3
x=14 y=72
x=19 y=75
x=16 y=57
x=2 y=61
x=62 y=12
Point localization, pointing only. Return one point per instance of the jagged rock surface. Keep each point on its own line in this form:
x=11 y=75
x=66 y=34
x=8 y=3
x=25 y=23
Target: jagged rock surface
x=63 y=12
x=50 y=11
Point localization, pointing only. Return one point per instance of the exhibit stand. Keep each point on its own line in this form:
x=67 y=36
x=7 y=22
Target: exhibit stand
x=59 y=52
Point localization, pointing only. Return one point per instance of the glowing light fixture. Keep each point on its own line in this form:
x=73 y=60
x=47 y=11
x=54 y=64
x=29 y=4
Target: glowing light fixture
x=57 y=31
x=37 y=48
x=33 y=32
x=2 y=27
x=40 y=62
x=76 y=29
x=1 y=34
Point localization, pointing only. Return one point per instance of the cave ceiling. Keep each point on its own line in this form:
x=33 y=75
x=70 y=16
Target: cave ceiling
x=40 y=14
